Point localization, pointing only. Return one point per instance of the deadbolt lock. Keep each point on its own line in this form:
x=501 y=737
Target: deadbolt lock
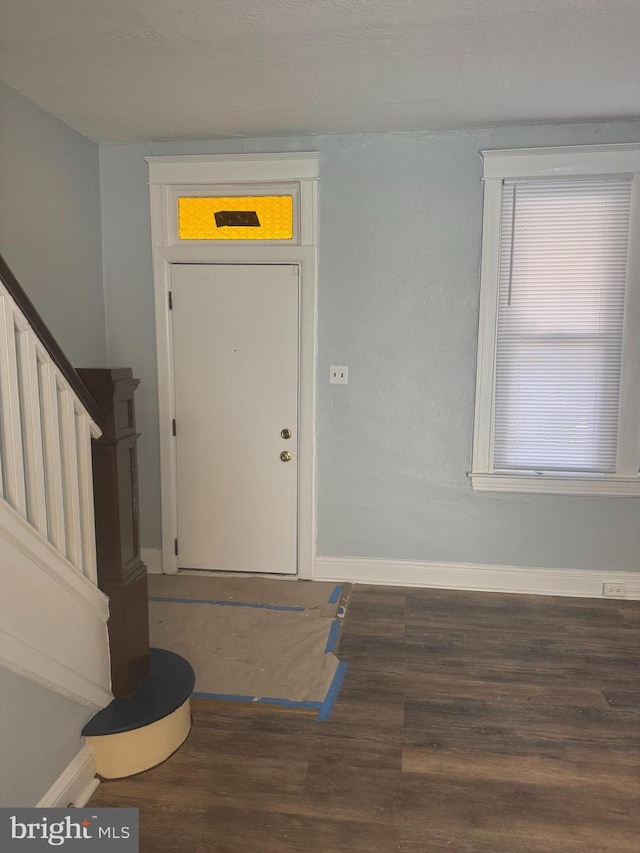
x=285 y=433
x=285 y=456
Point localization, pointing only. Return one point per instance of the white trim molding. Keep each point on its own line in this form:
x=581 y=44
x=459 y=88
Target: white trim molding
x=579 y=583
x=75 y=785
x=46 y=606
x=565 y=161
x=224 y=168
x=167 y=175
x=553 y=485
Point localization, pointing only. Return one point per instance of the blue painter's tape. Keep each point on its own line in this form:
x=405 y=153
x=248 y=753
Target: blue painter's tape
x=332 y=639
x=227 y=603
x=335 y=595
x=260 y=700
x=332 y=694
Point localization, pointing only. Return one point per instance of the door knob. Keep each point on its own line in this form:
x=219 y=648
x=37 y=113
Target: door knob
x=285 y=456
x=285 y=433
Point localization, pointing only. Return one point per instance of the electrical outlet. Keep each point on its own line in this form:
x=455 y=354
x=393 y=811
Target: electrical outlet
x=338 y=375
x=613 y=590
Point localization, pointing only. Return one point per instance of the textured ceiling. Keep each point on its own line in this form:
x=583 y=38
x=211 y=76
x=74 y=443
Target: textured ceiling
x=124 y=70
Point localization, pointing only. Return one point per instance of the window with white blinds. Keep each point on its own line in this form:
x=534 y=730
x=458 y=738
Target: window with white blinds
x=563 y=260
x=558 y=375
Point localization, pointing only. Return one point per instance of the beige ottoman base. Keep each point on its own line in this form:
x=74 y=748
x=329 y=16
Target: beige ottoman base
x=127 y=753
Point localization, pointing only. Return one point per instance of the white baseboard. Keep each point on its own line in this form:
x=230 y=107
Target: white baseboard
x=75 y=785
x=585 y=583
x=152 y=558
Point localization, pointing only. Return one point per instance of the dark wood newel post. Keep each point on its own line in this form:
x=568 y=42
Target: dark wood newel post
x=121 y=573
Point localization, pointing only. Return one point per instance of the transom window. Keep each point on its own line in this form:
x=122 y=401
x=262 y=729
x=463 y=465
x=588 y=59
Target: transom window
x=225 y=217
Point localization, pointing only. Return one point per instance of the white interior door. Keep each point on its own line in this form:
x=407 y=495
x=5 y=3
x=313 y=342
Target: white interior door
x=235 y=344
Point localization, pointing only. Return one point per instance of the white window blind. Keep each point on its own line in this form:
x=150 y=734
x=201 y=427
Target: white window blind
x=563 y=256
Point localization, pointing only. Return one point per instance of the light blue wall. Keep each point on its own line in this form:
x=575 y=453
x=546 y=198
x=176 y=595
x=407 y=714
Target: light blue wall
x=39 y=736
x=50 y=231
x=400 y=227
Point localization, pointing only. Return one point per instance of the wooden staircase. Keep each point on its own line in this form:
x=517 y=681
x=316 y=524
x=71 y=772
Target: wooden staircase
x=74 y=613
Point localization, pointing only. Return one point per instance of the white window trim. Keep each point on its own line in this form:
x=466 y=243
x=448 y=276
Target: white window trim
x=561 y=162
x=233 y=168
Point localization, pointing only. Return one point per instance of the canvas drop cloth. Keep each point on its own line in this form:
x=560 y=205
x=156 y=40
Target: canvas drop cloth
x=240 y=639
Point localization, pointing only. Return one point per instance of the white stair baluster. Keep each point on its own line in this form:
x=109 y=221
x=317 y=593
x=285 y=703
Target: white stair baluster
x=70 y=477
x=87 y=520
x=52 y=456
x=32 y=430
x=12 y=455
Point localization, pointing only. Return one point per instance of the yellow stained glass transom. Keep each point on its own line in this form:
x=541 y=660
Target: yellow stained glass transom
x=197 y=217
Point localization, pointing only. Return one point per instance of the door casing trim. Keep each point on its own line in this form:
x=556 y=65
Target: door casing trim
x=167 y=252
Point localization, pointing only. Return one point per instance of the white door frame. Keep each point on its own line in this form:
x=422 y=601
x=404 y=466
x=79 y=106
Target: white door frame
x=167 y=177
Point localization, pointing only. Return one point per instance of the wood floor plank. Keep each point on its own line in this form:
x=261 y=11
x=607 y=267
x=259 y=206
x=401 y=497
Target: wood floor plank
x=231 y=831
x=377 y=627
x=357 y=707
x=521 y=725
x=517 y=817
x=437 y=685
x=304 y=747
x=621 y=698
x=410 y=659
x=533 y=769
x=630 y=612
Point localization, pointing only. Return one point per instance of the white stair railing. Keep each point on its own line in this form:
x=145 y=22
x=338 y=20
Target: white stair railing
x=45 y=443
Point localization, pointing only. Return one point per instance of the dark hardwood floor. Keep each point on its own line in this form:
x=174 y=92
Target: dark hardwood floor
x=468 y=722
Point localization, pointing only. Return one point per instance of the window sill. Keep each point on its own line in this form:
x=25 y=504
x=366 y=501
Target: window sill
x=551 y=485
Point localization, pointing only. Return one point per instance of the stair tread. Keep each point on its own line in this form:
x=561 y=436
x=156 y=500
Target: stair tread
x=169 y=684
